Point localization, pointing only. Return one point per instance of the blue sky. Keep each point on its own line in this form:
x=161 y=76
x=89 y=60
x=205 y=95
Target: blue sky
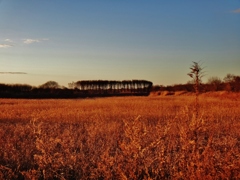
x=155 y=40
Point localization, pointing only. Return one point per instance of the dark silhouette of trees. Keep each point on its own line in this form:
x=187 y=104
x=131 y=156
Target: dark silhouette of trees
x=50 y=84
x=232 y=82
x=104 y=87
x=229 y=83
x=229 y=78
x=14 y=90
x=214 y=84
x=79 y=89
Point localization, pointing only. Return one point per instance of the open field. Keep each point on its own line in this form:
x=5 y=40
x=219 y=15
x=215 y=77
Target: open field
x=156 y=137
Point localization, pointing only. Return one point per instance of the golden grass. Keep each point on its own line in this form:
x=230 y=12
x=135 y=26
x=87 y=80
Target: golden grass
x=120 y=138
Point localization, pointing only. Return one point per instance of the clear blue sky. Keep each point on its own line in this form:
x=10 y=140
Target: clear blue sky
x=155 y=40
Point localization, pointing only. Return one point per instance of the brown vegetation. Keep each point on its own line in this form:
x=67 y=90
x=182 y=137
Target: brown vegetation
x=120 y=138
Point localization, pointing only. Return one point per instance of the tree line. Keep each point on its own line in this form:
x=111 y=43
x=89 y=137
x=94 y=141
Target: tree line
x=102 y=88
x=126 y=86
x=230 y=83
x=79 y=89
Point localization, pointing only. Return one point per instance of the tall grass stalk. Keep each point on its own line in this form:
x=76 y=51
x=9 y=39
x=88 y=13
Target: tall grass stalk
x=197 y=74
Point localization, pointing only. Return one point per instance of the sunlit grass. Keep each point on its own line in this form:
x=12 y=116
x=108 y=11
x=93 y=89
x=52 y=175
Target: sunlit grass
x=120 y=138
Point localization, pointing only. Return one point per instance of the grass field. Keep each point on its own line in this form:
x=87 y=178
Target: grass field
x=156 y=137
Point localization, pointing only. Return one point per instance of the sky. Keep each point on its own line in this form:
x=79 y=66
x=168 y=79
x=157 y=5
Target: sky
x=155 y=40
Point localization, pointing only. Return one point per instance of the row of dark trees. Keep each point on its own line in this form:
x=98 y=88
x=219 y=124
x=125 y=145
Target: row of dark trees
x=96 y=88
x=230 y=83
x=112 y=87
x=79 y=89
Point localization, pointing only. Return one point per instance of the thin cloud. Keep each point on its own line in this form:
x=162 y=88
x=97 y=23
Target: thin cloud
x=5 y=46
x=13 y=73
x=236 y=11
x=30 y=41
x=8 y=40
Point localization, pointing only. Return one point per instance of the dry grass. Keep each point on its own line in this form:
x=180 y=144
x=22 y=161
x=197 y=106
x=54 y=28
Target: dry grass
x=120 y=138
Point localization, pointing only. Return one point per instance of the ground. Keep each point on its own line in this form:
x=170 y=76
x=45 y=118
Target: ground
x=155 y=137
